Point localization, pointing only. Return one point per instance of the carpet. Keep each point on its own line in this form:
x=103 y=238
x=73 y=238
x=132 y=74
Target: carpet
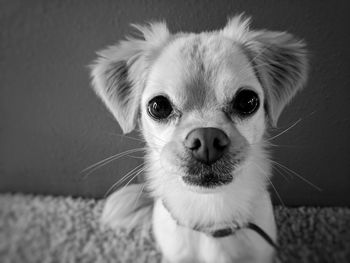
x=65 y=229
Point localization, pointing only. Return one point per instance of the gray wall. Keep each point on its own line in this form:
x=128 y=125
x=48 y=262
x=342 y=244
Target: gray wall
x=52 y=125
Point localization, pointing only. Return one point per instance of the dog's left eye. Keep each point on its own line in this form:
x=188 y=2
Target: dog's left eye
x=246 y=102
x=159 y=108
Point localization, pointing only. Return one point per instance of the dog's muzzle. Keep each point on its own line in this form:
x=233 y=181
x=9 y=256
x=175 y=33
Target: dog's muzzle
x=209 y=164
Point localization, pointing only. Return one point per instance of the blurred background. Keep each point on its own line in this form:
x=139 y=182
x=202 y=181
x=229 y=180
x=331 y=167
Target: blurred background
x=52 y=126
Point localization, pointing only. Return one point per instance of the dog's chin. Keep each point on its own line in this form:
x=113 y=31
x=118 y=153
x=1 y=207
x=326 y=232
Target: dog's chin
x=210 y=178
x=210 y=182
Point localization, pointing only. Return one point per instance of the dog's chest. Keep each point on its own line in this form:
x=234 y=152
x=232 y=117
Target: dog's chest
x=180 y=244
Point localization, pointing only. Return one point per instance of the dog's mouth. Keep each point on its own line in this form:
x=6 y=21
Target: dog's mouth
x=210 y=176
x=210 y=180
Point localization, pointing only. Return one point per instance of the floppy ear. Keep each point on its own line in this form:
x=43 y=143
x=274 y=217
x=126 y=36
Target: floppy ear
x=281 y=65
x=120 y=71
x=279 y=61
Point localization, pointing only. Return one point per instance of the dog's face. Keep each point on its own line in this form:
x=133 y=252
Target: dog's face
x=202 y=111
x=203 y=102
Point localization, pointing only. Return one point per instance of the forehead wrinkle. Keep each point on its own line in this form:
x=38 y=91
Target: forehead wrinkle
x=196 y=95
x=217 y=63
x=206 y=55
x=196 y=87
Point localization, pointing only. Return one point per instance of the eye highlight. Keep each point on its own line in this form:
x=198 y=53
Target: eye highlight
x=246 y=102
x=159 y=108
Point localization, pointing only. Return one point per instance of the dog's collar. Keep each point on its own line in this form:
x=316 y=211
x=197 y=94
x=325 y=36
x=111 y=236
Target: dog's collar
x=228 y=231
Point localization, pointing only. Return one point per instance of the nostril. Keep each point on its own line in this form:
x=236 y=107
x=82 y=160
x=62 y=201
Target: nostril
x=196 y=144
x=217 y=144
x=220 y=144
x=193 y=142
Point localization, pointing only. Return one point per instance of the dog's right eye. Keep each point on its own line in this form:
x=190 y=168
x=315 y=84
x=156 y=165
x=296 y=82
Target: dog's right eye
x=159 y=108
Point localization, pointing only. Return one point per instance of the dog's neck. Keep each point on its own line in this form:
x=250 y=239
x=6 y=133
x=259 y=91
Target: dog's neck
x=230 y=229
x=221 y=230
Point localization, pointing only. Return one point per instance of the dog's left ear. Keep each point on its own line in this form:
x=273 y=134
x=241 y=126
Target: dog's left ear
x=120 y=72
x=280 y=62
x=278 y=58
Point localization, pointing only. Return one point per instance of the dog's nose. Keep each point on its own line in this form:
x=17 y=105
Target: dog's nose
x=207 y=144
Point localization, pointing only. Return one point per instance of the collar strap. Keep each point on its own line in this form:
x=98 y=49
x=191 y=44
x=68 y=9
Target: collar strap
x=224 y=232
x=263 y=234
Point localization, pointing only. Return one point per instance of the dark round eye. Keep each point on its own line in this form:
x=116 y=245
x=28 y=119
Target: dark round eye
x=246 y=102
x=159 y=108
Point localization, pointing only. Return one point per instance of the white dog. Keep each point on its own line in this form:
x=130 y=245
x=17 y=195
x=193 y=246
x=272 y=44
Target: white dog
x=204 y=103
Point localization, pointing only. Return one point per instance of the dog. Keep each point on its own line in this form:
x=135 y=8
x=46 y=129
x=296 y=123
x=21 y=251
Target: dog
x=204 y=104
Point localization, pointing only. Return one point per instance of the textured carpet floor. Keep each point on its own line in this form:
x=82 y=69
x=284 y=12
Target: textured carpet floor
x=63 y=229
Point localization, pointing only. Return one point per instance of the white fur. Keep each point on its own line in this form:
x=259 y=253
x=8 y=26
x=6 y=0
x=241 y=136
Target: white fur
x=200 y=74
x=186 y=245
x=127 y=207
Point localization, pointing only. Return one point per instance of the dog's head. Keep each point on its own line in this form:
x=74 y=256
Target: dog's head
x=203 y=102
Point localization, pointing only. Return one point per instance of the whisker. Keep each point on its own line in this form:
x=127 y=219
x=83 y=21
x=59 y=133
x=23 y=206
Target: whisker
x=130 y=173
x=125 y=177
x=286 y=146
x=113 y=156
x=297 y=175
x=277 y=169
x=284 y=131
x=136 y=157
x=125 y=136
x=294 y=124
x=107 y=160
x=270 y=182
x=274 y=188
x=154 y=136
x=133 y=177
x=139 y=195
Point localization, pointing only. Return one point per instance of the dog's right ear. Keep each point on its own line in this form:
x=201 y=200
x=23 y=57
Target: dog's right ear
x=278 y=59
x=119 y=73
